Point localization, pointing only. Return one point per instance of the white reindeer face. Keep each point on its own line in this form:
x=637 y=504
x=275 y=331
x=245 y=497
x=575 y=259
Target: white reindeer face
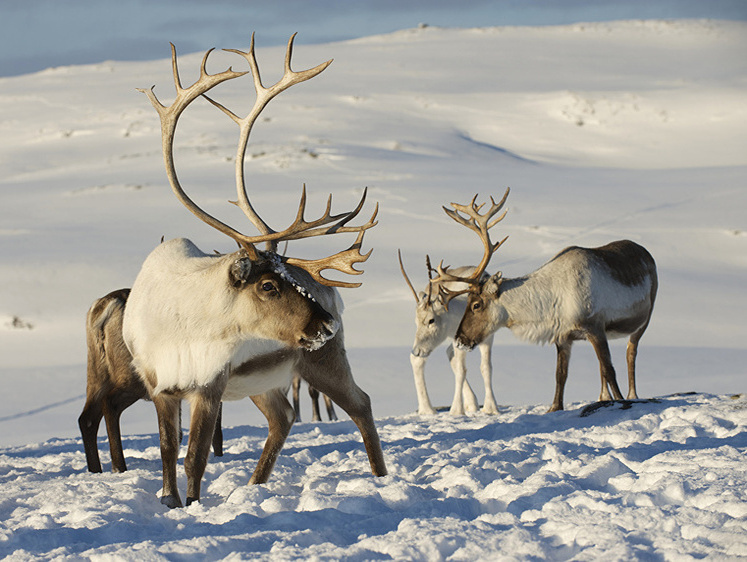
x=283 y=309
x=430 y=325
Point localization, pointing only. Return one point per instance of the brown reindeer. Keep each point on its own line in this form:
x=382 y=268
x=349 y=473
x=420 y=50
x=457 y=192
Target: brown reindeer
x=582 y=293
x=112 y=384
x=208 y=328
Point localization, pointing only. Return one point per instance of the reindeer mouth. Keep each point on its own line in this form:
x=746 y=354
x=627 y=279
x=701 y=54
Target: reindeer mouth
x=316 y=341
x=312 y=344
x=419 y=352
x=466 y=346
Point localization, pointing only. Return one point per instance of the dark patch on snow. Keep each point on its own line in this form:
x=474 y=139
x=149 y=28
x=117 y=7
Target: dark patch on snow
x=617 y=404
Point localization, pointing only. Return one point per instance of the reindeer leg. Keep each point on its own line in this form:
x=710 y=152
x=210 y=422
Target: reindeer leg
x=89 y=422
x=218 y=434
x=114 y=405
x=486 y=369
x=561 y=374
x=205 y=407
x=297 y=397
x=280 y=416
x=464 y=396
x=331 y=415
x=606 y=370
x=167 y=408
x=631 y=355
x=328 y=370
x=418 y=370
x=314 y=395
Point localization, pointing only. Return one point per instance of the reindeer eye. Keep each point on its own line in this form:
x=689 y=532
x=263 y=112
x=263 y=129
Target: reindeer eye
x=431 y=321
x=268 y=286
x=476 y=306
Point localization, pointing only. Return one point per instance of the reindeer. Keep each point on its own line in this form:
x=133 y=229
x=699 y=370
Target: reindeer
x=435 y=321
x=112 y=383
x=207 y=328
x=581 y=293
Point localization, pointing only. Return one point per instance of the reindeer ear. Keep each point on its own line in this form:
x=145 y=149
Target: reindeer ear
x=240 y=270
x=493 y=285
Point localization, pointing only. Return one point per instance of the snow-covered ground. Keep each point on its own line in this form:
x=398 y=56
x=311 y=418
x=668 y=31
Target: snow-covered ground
x=634 y=129
x=662 y=480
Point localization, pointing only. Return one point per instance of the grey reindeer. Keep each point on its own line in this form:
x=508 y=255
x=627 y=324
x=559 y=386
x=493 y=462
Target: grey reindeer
x=589 y=294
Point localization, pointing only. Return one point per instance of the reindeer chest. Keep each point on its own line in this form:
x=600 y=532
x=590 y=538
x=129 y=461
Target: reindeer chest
x=260 y=373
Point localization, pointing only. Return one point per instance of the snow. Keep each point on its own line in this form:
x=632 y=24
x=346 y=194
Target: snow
x=663 y=478
x=619 y=129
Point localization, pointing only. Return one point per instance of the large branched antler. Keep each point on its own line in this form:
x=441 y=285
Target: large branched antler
x=469 y=216
x=169 y=116
x=300 y=228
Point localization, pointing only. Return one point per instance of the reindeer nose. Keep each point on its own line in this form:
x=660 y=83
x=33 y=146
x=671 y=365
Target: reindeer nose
x=319 y=331
x=462 y=343
x=329 y=328
x=420 y=352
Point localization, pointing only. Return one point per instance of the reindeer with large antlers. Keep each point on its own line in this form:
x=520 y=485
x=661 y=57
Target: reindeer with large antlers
x=437 y=320
x=582 y=293
x=207 y=328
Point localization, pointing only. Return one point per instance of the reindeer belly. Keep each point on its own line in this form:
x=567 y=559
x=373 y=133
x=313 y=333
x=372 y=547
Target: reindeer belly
x=623 y=327
x=260 y=374
x=625 y=308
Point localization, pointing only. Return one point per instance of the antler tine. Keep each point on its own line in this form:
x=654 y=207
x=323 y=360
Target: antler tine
x=443 y=277
x=301 y=228
x=341 y=261
x=404 y=274
x=185 y=96
x=481 y=224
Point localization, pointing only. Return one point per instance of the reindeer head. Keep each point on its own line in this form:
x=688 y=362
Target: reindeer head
x=435 y=318
x=480 y=315
x=267 y=289
x=282 y=286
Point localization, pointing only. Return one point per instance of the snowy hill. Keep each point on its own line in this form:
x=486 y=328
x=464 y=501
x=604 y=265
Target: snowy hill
x=633 y=129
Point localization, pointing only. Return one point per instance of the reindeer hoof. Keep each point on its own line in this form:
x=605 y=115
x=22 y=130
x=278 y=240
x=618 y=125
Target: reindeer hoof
x=171 y=501
x=190 y=501
x=424 y=412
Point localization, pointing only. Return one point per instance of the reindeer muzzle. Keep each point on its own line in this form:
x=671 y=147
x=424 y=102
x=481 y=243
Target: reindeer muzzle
x=319 y=333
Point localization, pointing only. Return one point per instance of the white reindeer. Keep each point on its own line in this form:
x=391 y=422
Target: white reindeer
x=435 y=322
x=208 y=327
x=582 y=293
